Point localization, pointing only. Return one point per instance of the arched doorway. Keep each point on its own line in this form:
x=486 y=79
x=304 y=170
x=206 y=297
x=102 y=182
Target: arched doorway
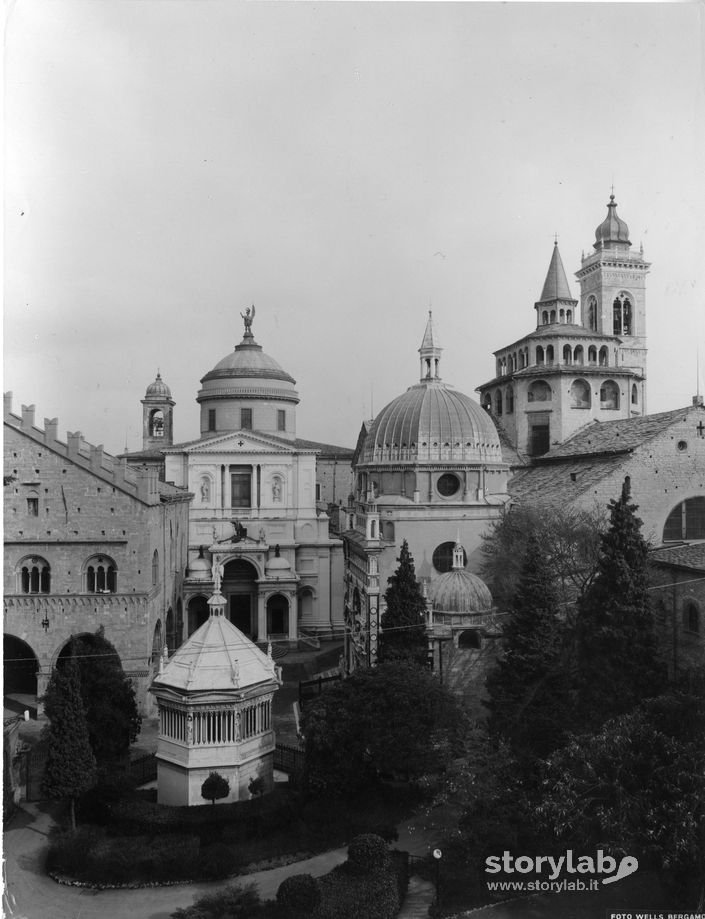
x=20 y=666
x=239 y=587
x=198 y=613
x=277 y=616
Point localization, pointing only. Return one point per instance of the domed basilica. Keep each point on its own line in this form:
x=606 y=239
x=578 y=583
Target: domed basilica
x=428 y=470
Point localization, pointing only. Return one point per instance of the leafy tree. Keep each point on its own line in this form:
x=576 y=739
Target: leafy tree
x=392 y=719
x=108 y=697
x=215 y=787
x=570 y=539
x=528 y=686
x=636 y=787
x=404 y=620
x=71 y=767
x=616 y=646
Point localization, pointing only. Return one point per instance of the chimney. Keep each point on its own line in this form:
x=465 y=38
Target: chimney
x=698 y=400
x=8 y=403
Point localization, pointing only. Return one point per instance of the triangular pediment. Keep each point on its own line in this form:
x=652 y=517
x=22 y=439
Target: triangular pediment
x=239 y=442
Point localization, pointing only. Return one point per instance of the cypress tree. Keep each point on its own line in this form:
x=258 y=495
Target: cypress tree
x=528 y=685
x=617 y=652
x=404 y=620
x=70 y=768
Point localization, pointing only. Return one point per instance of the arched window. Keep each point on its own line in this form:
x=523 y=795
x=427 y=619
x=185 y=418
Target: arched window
x=579 y=394
x=510 y=400
x=578 y=355
x=100 y=575
x=539 y=354
x=592 y=313
x=592 y=355
x=156 y=423
x=561 y=315
x=389 y=530
x=469 y=639
x=553 y=315
x=622 y=314
x=604 y=359
x=635 y=394
x=539 y=391
x=686 y=521
x=34 y=576
x=549 y=354
x=609 y=395
x=487 y=402
x=691 y=617
x=155 y=568
x=498 y=402
x=544 y=317
x=569 y=315
x=567 y=354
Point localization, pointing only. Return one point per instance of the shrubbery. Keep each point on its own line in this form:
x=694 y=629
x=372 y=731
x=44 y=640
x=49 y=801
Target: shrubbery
x=299 y=894
x=368 y=853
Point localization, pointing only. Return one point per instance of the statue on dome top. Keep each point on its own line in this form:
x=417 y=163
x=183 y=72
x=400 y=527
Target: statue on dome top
x=248 y=317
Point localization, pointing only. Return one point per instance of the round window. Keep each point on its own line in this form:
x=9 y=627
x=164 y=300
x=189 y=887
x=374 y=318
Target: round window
x=682 y=446
x=448 y=484
x=443 y=557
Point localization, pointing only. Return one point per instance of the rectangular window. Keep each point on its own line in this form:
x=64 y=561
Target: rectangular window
x=240 y=486
x=246 y=419
x=211 y=419
x=281 y=419
x=318 y=491
x=33 y=507
x=539 y=440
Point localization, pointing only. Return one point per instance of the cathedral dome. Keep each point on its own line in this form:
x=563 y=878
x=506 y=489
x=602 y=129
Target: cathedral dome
x=158 y=389
x=459 y=591
x=432 y=421
x=248 y=361
x=612 y=229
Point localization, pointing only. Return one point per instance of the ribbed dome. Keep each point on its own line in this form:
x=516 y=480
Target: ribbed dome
x=459 y=591
x=612 y=229
x=158 y=389
x=432 y=422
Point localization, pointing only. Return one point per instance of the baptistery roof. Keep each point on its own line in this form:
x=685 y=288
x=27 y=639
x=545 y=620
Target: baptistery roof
x=431 y=421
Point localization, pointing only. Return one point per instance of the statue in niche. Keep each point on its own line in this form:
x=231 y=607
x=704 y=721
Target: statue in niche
x=277 y=489
x=205 y=489
x=189 y=729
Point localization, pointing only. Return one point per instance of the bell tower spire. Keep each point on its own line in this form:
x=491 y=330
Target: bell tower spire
x=430 y=352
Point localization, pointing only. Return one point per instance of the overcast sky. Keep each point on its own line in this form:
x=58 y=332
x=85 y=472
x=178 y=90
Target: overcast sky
x=344 y=167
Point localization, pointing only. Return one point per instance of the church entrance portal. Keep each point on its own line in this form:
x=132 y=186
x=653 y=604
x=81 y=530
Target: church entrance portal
x=277 y=616
x=239 y=587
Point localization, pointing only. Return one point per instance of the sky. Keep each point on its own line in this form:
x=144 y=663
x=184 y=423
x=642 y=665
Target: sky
x=345 y=167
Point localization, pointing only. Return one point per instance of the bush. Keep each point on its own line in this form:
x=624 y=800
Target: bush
x=215 y=787
x=216 y=861
x=231 y=903
x=368 y=853
x=348 y=894
x=69 y=851
x=299 y=893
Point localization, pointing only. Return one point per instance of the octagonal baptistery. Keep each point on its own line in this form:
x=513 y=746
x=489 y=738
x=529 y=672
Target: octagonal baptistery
x=248 y=389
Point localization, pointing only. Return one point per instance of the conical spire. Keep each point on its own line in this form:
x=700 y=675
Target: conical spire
x=430 y=352
x=555 y=286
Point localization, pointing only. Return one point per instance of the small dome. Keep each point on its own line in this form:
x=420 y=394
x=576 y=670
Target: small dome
x=612 y=229
x=459 y=591
x=199 y=569
x=158 y=389
x=278 y=563
x=431 y=421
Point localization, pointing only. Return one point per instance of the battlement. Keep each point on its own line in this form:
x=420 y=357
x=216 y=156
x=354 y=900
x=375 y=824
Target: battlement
x=141 y=483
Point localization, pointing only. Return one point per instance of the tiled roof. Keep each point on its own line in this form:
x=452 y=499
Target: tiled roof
x=615 y=436
x=558 y=484
x=324 y=448
x=556 y=284
x=691 y=555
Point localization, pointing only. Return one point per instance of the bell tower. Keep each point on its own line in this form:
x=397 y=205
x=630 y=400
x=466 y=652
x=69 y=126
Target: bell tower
x=157 y=416
x=613 y=292
x=430 y=352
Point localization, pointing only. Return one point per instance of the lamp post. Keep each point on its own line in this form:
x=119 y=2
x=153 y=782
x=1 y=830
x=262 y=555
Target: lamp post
x=438 y=855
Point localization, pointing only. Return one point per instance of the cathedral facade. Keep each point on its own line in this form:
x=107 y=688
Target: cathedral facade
x=257 y=517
